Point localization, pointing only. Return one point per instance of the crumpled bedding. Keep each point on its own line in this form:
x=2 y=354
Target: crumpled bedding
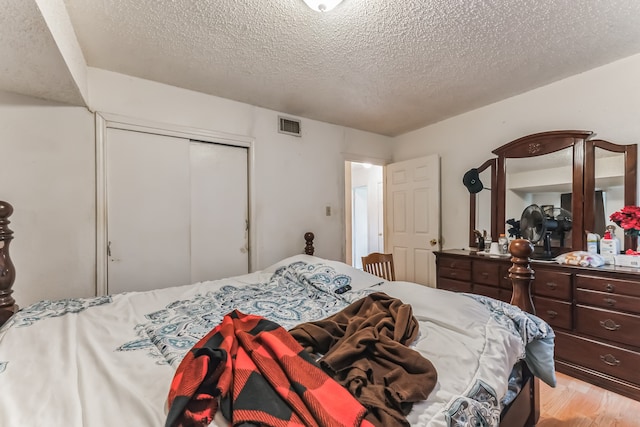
x=365 y=347
x=107 y=360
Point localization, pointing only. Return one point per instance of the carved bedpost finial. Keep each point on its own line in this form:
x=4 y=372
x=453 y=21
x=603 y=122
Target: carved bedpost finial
x=7 y=270
x=309 y=249
x=521 y=274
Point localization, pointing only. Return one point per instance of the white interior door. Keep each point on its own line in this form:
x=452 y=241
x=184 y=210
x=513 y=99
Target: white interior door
x=413 y=217
x=148 y=211
x=177 y=211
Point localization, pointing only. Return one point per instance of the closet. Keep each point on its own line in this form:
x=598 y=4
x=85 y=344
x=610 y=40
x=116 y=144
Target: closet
x=176 y=210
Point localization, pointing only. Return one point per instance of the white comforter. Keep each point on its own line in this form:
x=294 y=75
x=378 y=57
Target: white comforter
x=109 y=361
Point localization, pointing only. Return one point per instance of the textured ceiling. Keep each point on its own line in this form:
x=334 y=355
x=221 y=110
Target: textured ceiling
x=30 y=60
x=383 y=66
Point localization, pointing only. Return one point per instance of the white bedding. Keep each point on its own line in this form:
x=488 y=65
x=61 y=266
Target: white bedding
x=109 y=361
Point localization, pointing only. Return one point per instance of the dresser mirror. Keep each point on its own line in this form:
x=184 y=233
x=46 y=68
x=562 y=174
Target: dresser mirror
x=609 y=187
x=546 y=181
x=482 y=204
x=545 y=155
x=565 y=173
x=610 y=175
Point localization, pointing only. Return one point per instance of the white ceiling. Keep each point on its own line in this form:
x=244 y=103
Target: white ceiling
x=378 y=65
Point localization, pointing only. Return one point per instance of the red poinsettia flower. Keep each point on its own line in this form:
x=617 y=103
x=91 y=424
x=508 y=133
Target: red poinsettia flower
x=628 y=218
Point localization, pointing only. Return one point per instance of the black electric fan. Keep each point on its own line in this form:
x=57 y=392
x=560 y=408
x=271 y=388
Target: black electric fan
x=537 y=224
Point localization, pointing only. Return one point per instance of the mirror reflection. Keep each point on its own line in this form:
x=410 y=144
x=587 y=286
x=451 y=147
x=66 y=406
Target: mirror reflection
x=609 y=188
x=483 y=205
x=546 y=182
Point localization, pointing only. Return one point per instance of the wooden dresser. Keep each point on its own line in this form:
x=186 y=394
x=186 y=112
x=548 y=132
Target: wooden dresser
x=595 y=312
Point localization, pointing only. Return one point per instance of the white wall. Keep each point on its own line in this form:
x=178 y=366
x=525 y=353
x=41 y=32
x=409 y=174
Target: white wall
x=48 y=175
x=294 y=178
x=48 y=172
x=605 y=100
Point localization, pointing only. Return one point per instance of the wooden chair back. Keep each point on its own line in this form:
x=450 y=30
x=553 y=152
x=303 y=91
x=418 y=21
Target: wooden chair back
x=380 y=265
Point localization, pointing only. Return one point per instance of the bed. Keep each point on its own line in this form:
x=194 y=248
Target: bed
x=110 y=360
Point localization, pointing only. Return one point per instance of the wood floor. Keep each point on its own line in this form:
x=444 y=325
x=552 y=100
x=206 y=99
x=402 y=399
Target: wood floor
x=574 y=403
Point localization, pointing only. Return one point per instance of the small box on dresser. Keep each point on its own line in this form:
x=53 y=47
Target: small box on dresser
x=627 y=260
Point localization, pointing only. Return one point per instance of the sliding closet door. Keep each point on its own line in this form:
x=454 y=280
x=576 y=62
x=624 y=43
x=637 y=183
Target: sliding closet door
x=219 y=211
x=176 y=211
x=148 y=211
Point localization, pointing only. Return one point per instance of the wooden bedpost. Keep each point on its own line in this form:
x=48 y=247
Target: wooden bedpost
x=7 y=270
x=309 y=249
x=527 y=406
x=521 y=274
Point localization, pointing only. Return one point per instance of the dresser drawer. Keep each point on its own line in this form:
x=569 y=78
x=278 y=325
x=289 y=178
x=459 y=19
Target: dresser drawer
x=506 y=295
x=489 y=291
x=603 y=284
x=487 y=273
x=556 y=313
x=505 y=282
x=608 y=359
x=609 y=325
x=453 y=285
x=453 y=273
x=455 y=263
x=554 y=284
x=608 y=300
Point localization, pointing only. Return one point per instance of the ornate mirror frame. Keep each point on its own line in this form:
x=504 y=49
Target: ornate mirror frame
x=540 y=144
x=583 y=186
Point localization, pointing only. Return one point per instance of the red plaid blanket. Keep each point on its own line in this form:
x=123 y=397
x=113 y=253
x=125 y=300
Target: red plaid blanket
x=263 y=376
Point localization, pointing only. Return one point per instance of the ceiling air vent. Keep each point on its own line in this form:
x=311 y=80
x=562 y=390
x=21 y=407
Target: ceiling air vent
x=289 y=126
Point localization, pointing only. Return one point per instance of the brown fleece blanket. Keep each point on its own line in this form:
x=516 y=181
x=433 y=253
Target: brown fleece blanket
x=365 y=350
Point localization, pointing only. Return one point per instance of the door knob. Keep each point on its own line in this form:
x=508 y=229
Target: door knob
x=433 y=242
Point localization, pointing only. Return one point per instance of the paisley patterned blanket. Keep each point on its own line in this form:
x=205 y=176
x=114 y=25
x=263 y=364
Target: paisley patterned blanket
x=108 y=360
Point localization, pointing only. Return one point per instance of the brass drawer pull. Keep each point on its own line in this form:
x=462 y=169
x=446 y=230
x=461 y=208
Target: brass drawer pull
x=610 y=360
x=453 y=274
x=552 y=285
x=484 y=274
x=610 y=325
x=610 y=302
x=610 y=287
x=552 y=313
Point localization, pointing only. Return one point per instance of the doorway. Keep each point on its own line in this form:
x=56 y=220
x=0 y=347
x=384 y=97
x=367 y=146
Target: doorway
x=365 y=211
x=402 y=216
